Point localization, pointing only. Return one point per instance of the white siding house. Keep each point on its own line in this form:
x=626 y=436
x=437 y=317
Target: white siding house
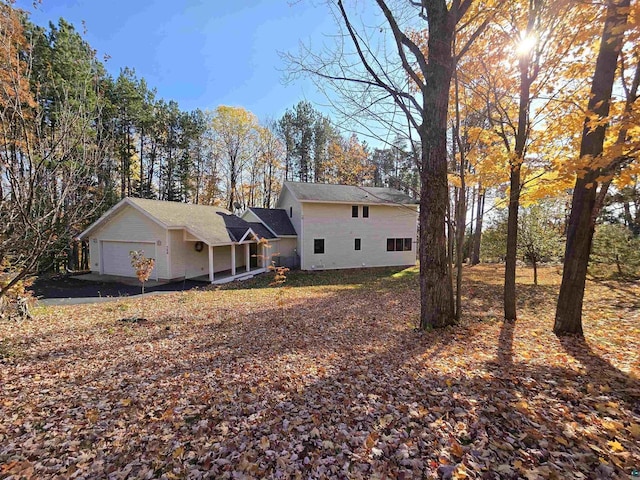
x=340 y=226
x=315 y=227
x=186 y=241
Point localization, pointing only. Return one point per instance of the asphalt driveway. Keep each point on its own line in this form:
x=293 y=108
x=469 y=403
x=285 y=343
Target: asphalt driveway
x=70 y=290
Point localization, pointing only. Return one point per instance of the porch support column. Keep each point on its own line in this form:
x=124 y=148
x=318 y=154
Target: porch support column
x=247 y=257
x=233 y=259
x=210 y=263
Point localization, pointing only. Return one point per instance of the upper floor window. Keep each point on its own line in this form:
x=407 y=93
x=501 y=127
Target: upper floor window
x=290 y=212
x=318 y=245
x=365 y=211
x=354 y=211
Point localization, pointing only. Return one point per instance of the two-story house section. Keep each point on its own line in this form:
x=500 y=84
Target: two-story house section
x=343 y=226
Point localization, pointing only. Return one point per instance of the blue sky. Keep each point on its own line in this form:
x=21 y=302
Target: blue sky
x=201 y=53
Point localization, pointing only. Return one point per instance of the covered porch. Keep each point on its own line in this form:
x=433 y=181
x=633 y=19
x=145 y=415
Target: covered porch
x=242 y=256
x=239 y=261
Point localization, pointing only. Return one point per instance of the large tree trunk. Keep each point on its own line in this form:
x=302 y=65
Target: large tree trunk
x=435 y=285
x=581 y=224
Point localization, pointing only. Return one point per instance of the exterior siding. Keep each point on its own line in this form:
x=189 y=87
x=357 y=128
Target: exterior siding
x=221 y=258
x=287 y=201
x=196 y=263
x=131 y=226
x=285 y=247
x=249 y=216
x=284 y=252
x=334 y=224
x=240 y=257
x=186 y=262
x=94 y=254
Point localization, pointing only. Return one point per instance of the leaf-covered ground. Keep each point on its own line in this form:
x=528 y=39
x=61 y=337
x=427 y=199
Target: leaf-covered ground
x=333 y=383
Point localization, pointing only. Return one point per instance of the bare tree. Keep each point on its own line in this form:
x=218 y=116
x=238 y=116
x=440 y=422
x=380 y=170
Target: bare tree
x=49 y=161
x=234 y=132
x=49 y=189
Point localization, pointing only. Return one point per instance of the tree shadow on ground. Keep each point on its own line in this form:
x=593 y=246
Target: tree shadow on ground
x=597 y=366
x=319 y=278
x=341 y=386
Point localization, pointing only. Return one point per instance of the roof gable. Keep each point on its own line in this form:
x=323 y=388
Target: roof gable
x=261 y=231
x=275 y=219
x=330 y=193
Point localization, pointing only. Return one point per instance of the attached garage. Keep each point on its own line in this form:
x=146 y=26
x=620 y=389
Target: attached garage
x=119 y=261
x=185 y=240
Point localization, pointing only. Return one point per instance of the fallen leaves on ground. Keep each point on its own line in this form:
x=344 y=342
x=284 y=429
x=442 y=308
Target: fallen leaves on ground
x=337 y=383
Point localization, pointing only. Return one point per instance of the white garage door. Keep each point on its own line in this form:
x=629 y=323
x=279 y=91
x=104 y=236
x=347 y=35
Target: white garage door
x=116 y=260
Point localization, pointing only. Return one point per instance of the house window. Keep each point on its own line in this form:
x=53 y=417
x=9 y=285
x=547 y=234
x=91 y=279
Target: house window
x=354 y=211
x=358 y=244
x=290 y=212
x=365 y=211
x=391 y=245
x=318 y=245
x=399 y=244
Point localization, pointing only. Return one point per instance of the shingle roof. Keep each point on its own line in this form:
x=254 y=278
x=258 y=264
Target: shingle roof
x=322 y=192
x=213 y=225
x=262 y=231
x=276 y=219
x=206 y=222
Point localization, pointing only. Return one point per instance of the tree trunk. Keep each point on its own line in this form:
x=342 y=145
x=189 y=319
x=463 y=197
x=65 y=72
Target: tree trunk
x=469 y=245
x=581 y=225
x=450 y=244
x=85 y=255
x=123 y=175
x=475 y=256
x=461 y=205
x=628 y=219
x=128 y=153
x=141 y=189
x=232 y=182
x=515 y=163
x=435 y=282
x=512 y=245
x=535 y=270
